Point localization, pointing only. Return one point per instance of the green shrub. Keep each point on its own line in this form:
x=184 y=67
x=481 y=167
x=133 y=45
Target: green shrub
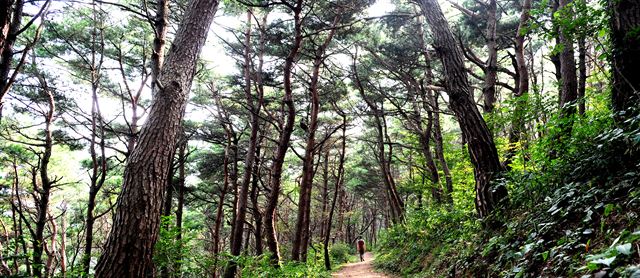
x=569 y=215
x=260 y=266
x=340 y=253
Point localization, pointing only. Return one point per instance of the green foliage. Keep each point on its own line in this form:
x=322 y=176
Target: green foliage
x=410 y=248
x=569 y=215
x=618 y=253
x=340 y=253
x=168 y=251
x=261 y=266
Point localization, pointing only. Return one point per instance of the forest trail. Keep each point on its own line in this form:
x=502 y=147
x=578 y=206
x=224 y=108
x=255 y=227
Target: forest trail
x=360 y=269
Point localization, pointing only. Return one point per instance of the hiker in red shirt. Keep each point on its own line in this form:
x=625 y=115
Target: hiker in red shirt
x=360 y=247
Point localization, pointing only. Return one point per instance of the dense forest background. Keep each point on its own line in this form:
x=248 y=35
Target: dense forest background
x=260 y=138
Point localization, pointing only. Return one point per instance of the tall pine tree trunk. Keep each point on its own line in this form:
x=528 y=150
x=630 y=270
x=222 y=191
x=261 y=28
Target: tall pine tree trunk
x=46 y=184
x=243 y=193
x=625 y=58
x=301 y=237
x=582 y=74
x=10 y=22
x=285 y=135
x=518 y=123
x=569 y=91
x=129 y=248
x=336 y=192
x=482 y=149
x=491 y=72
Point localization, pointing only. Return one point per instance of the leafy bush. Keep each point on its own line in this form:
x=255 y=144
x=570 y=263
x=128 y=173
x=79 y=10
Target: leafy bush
x=340 y=253
x=260 y=266
x=572 y=214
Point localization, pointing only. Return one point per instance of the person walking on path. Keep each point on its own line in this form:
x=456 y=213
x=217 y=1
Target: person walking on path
x=361 y=248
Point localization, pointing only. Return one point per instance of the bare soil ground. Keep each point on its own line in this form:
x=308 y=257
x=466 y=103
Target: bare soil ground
x=361 y=269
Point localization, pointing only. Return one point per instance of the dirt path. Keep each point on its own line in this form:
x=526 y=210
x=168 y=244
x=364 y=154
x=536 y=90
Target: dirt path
x=361 y=269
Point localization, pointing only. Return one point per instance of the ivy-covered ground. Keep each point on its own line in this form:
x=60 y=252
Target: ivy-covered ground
x=572 y=215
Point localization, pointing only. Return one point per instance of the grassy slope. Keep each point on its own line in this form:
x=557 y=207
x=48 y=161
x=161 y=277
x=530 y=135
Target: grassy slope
x=576 y=215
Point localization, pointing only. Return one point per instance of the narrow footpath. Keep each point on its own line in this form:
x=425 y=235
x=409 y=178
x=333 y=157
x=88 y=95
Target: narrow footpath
x=361 y=269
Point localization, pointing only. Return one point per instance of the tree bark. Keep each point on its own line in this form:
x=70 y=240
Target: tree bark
x=160 y=23
x=482 y=149
x=285 y=135
x=63 y=246
x=555 y=57
x=10 y=23
x=257 y=215
x=325 y=192
x=99 y=162
x=129 y=248
x=396 y=204
x=518 y=123
x=338 y=187
x=182 y=160
x=625 y=58
x=243 y=193
x=582 y=74
x=569 y=91
x=301 y=237
x=491 y=71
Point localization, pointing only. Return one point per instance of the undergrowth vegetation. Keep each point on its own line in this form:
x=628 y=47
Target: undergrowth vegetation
x=168 y=251
x=574 y=213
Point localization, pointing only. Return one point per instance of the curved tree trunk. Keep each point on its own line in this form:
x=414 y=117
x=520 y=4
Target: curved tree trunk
x=243 y=193
x=129 y=248
x=482 y=149
x=283 y=141
x=10 y=22
x=339 y=182
x=301 y=237
x=44 y=190
x=491 y=72
x=518 y=124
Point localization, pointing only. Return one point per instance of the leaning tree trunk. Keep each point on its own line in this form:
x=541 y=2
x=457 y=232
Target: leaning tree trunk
x=430 y=103
x=243 y=193
x=10 y=22
x=339 y=182
x=47 y=184
x=301 y=237
x=491 y=72
x=518 y=123
x=396 y=204
x=482 y=149
x=129 y=248
x=283 y=141
x=555 y=57
x=625 y=58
